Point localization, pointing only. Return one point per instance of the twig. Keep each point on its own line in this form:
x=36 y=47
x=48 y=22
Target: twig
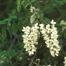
x=36 y=64
x=30 y=64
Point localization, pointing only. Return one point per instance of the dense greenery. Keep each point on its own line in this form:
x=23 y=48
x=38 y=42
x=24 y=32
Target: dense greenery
x=14 y=14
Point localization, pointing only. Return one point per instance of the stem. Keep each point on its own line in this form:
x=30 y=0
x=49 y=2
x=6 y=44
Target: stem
x=32 y=60
x=36 y=64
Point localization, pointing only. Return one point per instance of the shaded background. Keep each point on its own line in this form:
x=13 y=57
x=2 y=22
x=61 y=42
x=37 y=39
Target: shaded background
x=14 y=14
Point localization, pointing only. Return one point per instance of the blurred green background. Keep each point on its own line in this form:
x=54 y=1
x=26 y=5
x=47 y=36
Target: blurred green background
x=14 y=14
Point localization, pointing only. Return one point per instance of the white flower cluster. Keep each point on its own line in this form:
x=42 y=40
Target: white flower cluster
x=51 y=37
x=30 y=38
x=64 y=61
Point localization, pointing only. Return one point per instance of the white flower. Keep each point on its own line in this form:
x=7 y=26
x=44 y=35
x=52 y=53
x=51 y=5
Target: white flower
x=26 y=30
x=50 y=36
x=52 y=52
x=49 y=33
x=30 y=38
x=41 y=26
x=52 y=22
x=48 y=28
x=64 y=61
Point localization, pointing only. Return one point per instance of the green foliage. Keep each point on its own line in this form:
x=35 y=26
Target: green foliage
x=15 y=16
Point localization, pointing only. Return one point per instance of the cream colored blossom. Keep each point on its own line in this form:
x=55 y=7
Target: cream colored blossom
x=49 y=33
x=64 y=61
x=50 y=36
x=53 y=22
x=30 y=38
x=48 y=29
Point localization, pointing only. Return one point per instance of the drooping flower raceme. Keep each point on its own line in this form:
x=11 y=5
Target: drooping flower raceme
x=50 y=35
x=64 y=61
x=55 y=48
x=30 y=38
x=49 y=32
